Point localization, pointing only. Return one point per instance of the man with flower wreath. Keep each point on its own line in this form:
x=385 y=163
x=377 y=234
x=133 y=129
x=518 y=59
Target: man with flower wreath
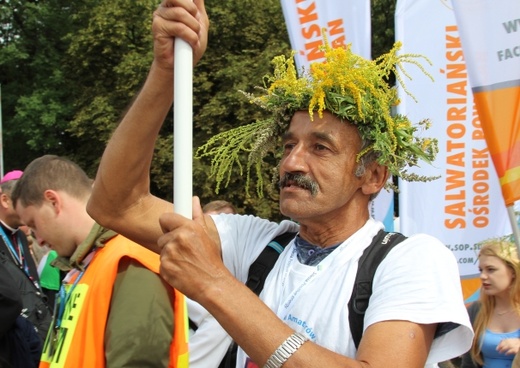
x=339 y=144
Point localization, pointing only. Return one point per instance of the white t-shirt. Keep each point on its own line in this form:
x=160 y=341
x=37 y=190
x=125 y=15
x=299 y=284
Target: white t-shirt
x=210 y=342
x=418 y=281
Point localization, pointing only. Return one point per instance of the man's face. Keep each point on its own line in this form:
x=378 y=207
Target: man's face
x=317 y=168
x=45 y=223
x=11 y=218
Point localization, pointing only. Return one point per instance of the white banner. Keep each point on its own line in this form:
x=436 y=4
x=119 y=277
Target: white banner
x=345 y=21
x=490 y=34
x=465 y=205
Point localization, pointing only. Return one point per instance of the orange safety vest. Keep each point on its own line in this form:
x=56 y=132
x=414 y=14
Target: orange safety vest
x=80 y=342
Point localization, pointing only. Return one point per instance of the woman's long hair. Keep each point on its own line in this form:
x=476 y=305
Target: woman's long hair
x=506 y=251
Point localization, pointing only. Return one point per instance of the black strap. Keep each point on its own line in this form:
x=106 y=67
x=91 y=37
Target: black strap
x=258 y=272
x=264 y=263
x=372 y=256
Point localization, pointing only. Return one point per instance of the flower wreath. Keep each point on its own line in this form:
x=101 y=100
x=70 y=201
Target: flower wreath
x=347 y=85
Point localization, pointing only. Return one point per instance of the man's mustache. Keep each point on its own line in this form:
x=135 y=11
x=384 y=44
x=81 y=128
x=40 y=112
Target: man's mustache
x=300 y=180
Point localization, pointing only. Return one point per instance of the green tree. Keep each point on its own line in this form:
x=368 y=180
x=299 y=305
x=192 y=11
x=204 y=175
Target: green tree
x=35 y=98
x=69 y=71
x=383 y=34
x=107 y=58
x=244 y=37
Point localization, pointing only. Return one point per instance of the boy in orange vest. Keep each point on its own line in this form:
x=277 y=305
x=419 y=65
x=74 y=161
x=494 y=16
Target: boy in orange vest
x=113 y=308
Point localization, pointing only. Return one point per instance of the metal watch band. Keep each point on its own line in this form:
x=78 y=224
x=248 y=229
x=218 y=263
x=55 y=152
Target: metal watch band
x=285 y=350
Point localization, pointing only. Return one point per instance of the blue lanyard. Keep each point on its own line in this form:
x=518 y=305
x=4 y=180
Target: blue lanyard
x=64 y=299
x=18 y=256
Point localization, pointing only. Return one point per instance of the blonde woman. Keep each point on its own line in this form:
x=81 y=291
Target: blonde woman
x=496 y=316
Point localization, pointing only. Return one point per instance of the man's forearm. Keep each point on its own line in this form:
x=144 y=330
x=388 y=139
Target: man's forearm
x=262 y=334
x=122 y=180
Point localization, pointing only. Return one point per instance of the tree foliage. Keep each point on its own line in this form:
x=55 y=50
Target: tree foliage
x=69 y=70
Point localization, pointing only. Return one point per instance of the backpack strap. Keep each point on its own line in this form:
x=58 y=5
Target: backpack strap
x=264 y=263
x=258 y=272
x=372 y=256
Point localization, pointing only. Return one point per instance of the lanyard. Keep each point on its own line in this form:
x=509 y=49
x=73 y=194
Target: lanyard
x=64 y=298
x=57 y=333
x=314 y=272
x=18 y=256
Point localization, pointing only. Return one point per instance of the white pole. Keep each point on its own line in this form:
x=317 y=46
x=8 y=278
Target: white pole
x=514 y=226
x=183 y=129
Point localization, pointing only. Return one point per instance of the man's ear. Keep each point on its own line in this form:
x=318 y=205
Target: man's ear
x=54 y=199
x=4 y=200
x=376 y=176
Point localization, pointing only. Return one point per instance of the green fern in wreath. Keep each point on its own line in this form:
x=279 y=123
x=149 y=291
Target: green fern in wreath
x=345 y=84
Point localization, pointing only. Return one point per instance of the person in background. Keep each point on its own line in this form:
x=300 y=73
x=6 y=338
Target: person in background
x=13 y=239
x=17 y=258
x=20 y=344
x=219 y=206
x=113 y=309
x=496 y=315
x=337 y=152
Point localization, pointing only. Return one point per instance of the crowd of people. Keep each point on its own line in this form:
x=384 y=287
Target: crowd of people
x=123 y=262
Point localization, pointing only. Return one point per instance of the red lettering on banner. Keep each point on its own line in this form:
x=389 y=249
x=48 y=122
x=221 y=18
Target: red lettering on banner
x=480 y=162
x=454 y=101
x=458 y=71
x=458 y=196
x=336 y=27
x=311 y=30
x=455 y=179
x=452 y=28
x=456 y=209
x=454 y=224
x=339 y=42
x=481 y=200
x=309 y=14
x=451 y=145
x=456 y=160
x=481 y=154
x=478 y=133
x=456 y=130
x=456 y=113
x=454 y=55
x=459 y=88
x=313 y=50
